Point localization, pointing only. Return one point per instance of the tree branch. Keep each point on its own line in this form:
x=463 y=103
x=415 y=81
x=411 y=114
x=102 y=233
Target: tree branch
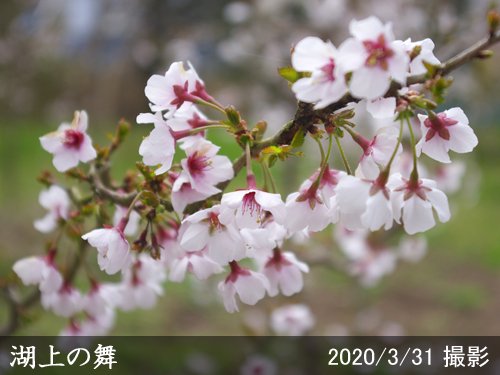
x=306 y=115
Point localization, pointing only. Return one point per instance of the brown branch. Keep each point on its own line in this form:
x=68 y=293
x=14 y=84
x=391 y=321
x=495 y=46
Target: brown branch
x=123 y=199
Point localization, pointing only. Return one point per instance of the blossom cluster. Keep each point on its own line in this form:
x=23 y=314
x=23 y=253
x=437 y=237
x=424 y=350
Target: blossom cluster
x=192 y=226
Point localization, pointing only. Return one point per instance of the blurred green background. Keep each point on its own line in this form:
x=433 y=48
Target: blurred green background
x=58 y=56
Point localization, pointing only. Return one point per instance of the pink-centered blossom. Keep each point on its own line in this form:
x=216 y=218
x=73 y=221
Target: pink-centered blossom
x=367 y=260
x=183 y=193
x=188 y=117
x=326 y=83
x=292 y=320
x=414 y=203
x=250 y=208
x=133 y=222
x=41 y=271
x=57 y=202
x=259 y=365
x=365 y=203
x=204 y=168
x=140 y=287
x=170 y=91
x=204 y=229
x=448 y=130
x=250 y=286
x=373 y=57
x=66 y=302
x=112 y=247
x=284 y=272
x=196 y=262
x=377 y=152
x=70 y=144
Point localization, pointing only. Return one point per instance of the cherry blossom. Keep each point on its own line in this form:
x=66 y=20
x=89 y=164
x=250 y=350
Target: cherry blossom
x=133 y=222
x=377 y=152
x=196 y=262
x=326 y=84
x=310 y=207
x=368 y=260
x=39 y=271
x=448 y=130
x=94 y=303
x=70 y=144
x=183 y=193
x=140 y=287
x=426 y=54
x=158 y=147
x=249 y=208
x=170 y=91
x=66 y=302
x=188 y=117
x=292 y=320
x=167 y=239
x=258 y=364
x=57 y=202
x=414 y=203
x=373 y=57
x=449 y=176
x=259 y=242
x=112 y=247
x=284 y=272
x=365 y=203
x=204 y=229
x=204 y=168
x=250 y=286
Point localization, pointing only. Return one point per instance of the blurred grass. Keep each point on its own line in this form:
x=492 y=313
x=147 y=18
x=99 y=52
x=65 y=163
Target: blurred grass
x=455 y=284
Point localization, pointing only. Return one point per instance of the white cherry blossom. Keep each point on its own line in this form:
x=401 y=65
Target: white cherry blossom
x=170 y=91
x=250 y=286
x=377 y=152
x=41 y=271
x=183 y=193
x=292 y=320
x=140 y=287
x=204 y=229
x=112 y=247
x=196 y=262
x=70 y=144
x=158 y=147
x=373 y=57
x=326 y=84
x=204 y=168
x=448 y=130
x=249 y=208
x=57 y=202
x=284 y=272
x=66 y=302
x=414 y=203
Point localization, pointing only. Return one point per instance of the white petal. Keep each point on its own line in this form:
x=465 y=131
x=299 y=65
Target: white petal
x=417 y=215
x=462 y=138
x=369 y=82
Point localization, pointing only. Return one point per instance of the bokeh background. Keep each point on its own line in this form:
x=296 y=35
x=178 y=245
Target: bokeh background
x=57 y=56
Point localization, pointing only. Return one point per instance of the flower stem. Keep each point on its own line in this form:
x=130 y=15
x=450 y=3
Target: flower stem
x=387 y=169
x=208 y=127
x=414 y=172
x=251 y=184
x=217 y=107
x=321 y=150
x=342 y=154
x=269 y=177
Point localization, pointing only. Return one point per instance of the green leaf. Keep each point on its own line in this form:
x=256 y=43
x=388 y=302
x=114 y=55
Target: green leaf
x=298 y=139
